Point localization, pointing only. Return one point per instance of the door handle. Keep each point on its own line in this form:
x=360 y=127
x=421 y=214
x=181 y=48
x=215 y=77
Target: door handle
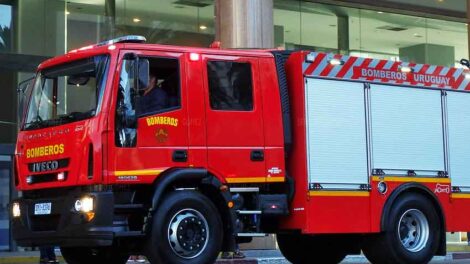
x=180 y=155
x=257 y=155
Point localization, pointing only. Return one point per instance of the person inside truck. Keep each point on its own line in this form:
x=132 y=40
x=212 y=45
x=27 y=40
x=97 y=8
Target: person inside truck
x=154 y=97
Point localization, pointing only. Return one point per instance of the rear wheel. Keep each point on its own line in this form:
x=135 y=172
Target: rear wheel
x=412 y=233
x=186 y=228
x=80 y=255
x=303 y=249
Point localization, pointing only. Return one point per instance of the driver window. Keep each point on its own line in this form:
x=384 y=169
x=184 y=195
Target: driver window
x=163 y=92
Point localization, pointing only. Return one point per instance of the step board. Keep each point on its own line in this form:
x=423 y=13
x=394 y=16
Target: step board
x=252 y=234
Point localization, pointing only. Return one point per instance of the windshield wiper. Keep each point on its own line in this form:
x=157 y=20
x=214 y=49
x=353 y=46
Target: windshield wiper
x=36 y=123
x=76 y=116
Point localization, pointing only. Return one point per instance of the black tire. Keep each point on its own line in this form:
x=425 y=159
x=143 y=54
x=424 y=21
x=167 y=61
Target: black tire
x=198 y=226
x=80 y=255
x=305 y=249
x=420 y=247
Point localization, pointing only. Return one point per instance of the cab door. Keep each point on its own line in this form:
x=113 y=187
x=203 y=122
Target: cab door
x=234 y=127
x=159 y=139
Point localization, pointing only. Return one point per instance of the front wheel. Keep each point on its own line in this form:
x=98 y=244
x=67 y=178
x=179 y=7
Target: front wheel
x=80 y=255
x=412 y=233
x=186 y=228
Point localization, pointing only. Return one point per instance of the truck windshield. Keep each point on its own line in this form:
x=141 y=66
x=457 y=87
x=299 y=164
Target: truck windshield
x=67 y=93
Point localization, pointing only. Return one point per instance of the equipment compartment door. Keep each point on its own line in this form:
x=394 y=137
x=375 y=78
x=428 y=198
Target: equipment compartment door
x=336 y=133
x=407 y=130
x=459 y=143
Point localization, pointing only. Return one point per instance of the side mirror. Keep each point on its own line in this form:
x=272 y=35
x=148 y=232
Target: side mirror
x=465 y=62
x=142 y=74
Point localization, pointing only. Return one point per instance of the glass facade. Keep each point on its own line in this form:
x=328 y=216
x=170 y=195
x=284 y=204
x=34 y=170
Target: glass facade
x=368 y=33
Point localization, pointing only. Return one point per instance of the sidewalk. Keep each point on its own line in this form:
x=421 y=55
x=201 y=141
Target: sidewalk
x=456 y=252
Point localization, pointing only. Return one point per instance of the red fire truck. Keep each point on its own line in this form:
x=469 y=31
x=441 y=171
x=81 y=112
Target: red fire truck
x=179 y=153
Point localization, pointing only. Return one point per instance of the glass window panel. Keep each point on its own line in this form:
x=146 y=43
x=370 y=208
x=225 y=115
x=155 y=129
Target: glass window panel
x=167 y=21
x=6 y=36
x=230 y=85
x=286 y=17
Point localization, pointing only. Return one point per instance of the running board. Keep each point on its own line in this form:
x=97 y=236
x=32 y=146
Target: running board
x=244 y=189
x=249 y=212
x=252 y=235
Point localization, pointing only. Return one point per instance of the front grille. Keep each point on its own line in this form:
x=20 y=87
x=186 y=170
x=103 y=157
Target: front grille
x=62 y=163
x=44 y=223
x=49 y=177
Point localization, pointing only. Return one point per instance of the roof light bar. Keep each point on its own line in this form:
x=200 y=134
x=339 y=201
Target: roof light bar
x=405 y=69
x=336 y=62
x=124 y=39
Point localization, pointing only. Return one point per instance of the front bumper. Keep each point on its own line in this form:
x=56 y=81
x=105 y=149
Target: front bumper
x=64 y=226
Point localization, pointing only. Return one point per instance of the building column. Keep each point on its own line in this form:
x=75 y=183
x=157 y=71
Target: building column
x=110 y=16
x=244 y=23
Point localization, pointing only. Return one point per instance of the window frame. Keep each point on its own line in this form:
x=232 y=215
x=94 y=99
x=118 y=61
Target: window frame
x=169 y=109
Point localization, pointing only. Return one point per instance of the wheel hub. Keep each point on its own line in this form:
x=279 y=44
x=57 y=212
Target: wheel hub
x=188 y=233
x=413 y=230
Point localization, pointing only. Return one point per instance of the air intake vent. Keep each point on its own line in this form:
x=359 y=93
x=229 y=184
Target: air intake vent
x=90 y=162
x=393 y=28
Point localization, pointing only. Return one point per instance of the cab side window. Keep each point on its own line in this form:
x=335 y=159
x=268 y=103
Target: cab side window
x=163 y=92
x=230 y=85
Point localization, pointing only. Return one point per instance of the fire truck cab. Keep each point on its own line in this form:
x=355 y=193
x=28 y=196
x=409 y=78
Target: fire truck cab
x=179 y=153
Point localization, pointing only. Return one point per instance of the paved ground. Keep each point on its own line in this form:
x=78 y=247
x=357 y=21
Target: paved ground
x=253 y=257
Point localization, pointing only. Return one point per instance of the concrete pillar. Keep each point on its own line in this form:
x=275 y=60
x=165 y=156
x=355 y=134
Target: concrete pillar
x=110 y=18
x=245 y=23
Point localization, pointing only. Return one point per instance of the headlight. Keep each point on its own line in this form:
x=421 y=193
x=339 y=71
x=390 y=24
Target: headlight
x=84 y=205
x=15 y=210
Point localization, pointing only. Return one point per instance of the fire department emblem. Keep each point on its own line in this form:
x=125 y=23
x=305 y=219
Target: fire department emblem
x=161 y=135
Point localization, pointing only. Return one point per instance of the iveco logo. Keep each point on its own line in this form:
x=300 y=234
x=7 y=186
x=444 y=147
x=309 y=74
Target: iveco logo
x=45 y=166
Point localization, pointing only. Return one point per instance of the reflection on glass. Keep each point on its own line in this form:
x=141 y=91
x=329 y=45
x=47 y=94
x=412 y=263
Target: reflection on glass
x=67 y=93
x=5 y=28
x=4 y=200
x=173 y=22
x=367 y=33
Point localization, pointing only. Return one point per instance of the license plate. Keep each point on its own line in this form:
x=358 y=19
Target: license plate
x=42 y=209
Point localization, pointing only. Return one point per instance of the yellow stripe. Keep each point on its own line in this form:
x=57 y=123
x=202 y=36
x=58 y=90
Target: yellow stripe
x=411 y=179
x=255 y=179
x=246 y=179
x=137 y=172
x=339 y=193
x=461 y=195
x=275 y=179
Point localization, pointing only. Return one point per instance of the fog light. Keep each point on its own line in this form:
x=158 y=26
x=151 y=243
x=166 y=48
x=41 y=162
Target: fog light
x=84 y=205
x=16 y=210
x=29 y=180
